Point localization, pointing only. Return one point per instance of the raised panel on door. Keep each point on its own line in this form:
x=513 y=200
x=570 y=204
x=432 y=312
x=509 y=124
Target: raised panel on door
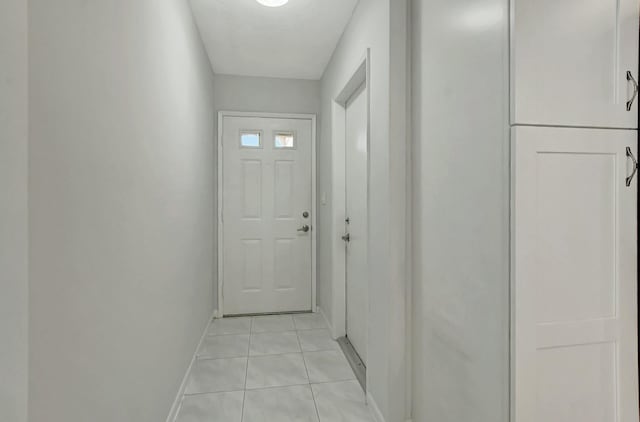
x=570 y=60
x=251 y=188
x=574 y=276
x=266 y=184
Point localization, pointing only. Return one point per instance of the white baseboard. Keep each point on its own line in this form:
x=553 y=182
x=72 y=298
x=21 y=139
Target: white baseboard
x=176 y=403
x=374 y=409
x=326 y=320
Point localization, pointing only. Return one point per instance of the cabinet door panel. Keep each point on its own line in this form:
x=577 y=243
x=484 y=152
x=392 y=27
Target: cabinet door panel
x=574 y=276
x=570 y=60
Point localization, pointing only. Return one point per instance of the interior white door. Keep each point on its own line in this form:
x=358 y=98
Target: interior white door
x=267 y=176
x=575 y=352
x=356 y=155
x=570 y=60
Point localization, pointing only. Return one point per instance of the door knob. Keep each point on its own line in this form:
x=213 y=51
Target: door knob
x=304 y=228
x=346 y=237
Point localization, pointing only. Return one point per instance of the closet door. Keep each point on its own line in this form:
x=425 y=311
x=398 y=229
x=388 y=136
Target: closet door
x=574 y=276
x=570 y=60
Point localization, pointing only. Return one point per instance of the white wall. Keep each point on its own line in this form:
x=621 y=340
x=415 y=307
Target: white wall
x=121 y=206
x=271 y=95
x=267 y=95
x=378 y=25
x=461 y=211
x=13 y=211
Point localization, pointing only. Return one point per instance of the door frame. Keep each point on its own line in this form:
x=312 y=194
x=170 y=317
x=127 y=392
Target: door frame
x=220 y=196
x=360 y=75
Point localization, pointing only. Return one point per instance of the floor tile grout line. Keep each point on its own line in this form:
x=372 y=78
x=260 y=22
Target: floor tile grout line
x=303 y=353
x=315 y=405
x=321 y=349
x=315 y=402
x=244 y=397
x=246 y=372
x=175 y=417
x=289 y=333
x=206 y=393
x=238 y=334
x=268 y=355
x=274 y=387
x=222 y=358
x=244 y=333
x=253 y=318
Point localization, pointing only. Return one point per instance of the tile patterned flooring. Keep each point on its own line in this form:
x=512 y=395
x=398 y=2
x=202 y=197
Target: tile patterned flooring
x=280 y=368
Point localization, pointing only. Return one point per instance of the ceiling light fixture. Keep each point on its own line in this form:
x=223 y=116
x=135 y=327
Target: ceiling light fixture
x=273 y=3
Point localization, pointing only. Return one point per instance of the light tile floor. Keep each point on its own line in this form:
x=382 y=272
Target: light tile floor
x=280 y=368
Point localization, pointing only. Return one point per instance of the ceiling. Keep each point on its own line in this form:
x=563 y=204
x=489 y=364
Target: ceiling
x=296 y=40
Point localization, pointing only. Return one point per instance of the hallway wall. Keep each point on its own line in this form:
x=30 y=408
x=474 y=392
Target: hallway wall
x=271 y=95
x=461 y=211
x=13 y=211
x=121 y=206
x=379 y=25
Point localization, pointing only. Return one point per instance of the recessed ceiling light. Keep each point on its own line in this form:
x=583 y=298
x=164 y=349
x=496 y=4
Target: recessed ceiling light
x=273 y=3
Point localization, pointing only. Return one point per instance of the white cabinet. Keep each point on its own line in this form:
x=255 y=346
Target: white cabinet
x=574 y=275
x=569 y=62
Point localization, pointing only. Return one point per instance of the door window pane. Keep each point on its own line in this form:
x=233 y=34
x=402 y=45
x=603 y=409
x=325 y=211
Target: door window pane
x=284 y=140
x=250 y=139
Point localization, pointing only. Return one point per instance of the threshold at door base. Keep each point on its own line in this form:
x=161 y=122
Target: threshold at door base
x=354 y=360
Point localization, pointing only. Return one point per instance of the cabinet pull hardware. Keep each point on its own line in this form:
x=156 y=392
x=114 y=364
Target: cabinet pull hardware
x=631 y=79
x=635 y=166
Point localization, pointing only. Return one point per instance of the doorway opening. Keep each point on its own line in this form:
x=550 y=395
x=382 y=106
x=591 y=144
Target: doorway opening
x=266 y=213
x=350 y=212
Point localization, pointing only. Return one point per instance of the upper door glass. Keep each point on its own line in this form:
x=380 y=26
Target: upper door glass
x=284 y=140
x=251 y=139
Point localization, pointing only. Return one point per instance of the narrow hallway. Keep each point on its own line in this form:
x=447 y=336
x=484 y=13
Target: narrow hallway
x=238 y=210
x=272 y=368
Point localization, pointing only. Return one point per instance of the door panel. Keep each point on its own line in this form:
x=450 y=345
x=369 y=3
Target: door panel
x=266 y=190
x=570 y=59
x=356 y=201
x=574 y=276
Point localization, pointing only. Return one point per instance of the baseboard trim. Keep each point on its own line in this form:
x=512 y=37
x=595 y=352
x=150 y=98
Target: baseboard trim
x=326 y=320
x=176 y=403
x=374 y=409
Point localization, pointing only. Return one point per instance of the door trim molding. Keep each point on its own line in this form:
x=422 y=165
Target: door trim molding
x=314 y=227
x=359 y=76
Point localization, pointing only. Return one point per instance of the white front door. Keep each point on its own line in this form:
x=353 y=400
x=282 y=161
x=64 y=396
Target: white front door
x=356 y=224
x=266 y=215
x=575 y=354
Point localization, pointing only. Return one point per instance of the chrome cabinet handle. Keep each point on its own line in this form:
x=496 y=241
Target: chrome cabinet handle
x=304 y=228
x=631 y=79
x=635 y=166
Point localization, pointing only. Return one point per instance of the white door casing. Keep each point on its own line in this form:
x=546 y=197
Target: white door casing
x=574 y=351
x=570 y=60
x=266 y=262
x=356 y=211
